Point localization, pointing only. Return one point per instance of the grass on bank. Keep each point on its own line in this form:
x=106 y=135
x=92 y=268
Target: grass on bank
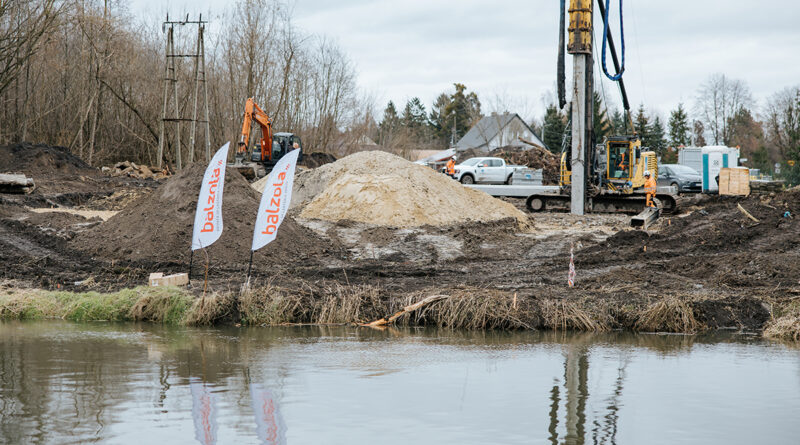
x=337 y=304
x=169 y=305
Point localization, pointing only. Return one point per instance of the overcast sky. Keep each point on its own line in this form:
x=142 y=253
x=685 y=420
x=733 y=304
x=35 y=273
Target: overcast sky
x=506 y=50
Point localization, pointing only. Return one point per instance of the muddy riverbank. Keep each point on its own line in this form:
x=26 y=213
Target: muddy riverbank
x=710 y=267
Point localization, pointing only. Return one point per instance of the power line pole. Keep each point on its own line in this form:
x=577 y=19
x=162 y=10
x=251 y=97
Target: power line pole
x=171 y=79
x=580 y=46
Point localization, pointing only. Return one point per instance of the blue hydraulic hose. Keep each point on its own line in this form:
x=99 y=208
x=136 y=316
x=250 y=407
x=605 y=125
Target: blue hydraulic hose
x=617 y=76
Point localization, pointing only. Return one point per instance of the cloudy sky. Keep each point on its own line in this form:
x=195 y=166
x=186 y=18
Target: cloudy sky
x=506 y=50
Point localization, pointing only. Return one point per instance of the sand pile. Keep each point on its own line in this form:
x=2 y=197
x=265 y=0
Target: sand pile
x=158 y=227
x=380 y=188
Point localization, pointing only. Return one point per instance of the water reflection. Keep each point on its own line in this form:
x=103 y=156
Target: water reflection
x=128 y=383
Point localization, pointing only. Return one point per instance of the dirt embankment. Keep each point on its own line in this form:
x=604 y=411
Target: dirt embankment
x=157 y=228
x=713 y=267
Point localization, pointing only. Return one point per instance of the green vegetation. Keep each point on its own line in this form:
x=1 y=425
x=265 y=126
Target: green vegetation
x=270 y=305
x=168 y=305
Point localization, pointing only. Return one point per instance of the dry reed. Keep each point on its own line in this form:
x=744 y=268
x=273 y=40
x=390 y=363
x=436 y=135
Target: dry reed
x=668 y=315
x=785 y=323
x=211 y=309
x=567 y=315
x=478 y=309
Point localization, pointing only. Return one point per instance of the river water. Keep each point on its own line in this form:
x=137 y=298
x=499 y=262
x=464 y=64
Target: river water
x=140 y=384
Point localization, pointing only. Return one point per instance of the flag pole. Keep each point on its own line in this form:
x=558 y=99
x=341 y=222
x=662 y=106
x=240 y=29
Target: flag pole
x=250 y=266
x=191 y=257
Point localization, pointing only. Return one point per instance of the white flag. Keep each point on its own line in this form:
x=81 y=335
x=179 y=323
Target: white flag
x=208 y=217
x=270 y=427
x=275 y=200
x=204 y=412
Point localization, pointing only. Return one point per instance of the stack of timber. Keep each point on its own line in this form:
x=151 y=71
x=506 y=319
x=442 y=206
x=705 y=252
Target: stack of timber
x=734 y=181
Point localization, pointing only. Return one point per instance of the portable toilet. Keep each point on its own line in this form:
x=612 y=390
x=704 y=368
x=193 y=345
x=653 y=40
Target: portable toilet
x=708 y=161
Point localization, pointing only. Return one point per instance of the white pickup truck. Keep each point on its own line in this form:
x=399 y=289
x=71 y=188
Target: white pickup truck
x=485 y=171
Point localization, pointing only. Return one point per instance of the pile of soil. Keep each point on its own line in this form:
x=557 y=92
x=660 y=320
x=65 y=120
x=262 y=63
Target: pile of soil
x=60 y=177
x=380 y=188
x=157 y=227
x=317 y=159
x=40 y=159
x=719 y=244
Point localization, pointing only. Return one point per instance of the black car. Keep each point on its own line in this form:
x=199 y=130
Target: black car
x=683 y=178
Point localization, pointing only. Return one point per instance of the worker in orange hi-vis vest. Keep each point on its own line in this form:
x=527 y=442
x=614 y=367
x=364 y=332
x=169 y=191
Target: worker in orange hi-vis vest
x=451 y=167
x=649 y=188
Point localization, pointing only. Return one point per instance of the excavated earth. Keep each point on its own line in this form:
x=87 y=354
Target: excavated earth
x=730 y=266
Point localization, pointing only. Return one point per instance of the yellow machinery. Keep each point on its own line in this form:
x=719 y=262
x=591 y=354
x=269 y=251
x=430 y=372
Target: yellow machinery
x=615 y=180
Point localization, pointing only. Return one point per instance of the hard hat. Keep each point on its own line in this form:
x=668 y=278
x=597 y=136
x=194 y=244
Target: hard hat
x=647 y=172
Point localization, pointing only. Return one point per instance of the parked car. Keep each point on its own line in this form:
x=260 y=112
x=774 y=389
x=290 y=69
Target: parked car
x=684 y=179
x=485 y=170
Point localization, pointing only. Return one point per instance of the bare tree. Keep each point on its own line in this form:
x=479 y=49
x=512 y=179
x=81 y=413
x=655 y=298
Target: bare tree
x=718 y=100
x=782 y=122
x=23 y=26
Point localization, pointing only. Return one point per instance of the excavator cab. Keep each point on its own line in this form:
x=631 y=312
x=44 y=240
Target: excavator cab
x=626 y=162
x=282 y=143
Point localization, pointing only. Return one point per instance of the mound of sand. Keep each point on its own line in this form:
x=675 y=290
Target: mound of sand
x=380 y=188
x=157 y=228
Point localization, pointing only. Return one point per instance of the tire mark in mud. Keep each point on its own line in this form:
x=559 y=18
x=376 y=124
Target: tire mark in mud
x=25 y=246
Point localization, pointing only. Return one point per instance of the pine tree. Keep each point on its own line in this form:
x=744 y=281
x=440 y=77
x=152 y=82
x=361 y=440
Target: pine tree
x=414 y=115
x=389 y=124
x=553 y=127
x=642 y=124
x=463 y=111
x=415 y=120
x=436 y=124
x=602 y=126
x=679 y=127
x=618 y=123
x=655 y=137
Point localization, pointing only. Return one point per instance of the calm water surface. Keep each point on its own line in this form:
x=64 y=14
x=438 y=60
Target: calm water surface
x=66 y=383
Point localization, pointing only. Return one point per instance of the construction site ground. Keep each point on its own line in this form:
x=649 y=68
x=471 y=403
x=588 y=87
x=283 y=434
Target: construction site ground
x=733 y=260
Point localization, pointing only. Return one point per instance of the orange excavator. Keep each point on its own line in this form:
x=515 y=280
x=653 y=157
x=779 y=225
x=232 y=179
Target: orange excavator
x=272 y=147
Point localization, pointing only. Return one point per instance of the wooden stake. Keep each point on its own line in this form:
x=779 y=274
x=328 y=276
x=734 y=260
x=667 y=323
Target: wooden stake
x=746 y=213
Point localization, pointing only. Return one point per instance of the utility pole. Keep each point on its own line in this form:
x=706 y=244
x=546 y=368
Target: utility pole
x=171 y=79
x=580 y=46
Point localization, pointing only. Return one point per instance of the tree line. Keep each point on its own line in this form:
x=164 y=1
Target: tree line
x=723 y=113
x=86 y=75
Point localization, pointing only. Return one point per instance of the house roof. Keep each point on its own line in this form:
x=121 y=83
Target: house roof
x=438 y=156
x=487 y=128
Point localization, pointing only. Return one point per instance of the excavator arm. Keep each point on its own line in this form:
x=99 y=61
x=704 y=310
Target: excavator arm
x=252 y=112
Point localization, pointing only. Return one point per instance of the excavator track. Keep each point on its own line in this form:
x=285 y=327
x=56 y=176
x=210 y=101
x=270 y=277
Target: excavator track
x=628 y=204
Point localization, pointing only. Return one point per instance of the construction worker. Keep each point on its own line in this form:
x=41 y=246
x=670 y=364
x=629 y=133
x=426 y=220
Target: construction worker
x=622 y=166
x=451 y=167
x=649 y=188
